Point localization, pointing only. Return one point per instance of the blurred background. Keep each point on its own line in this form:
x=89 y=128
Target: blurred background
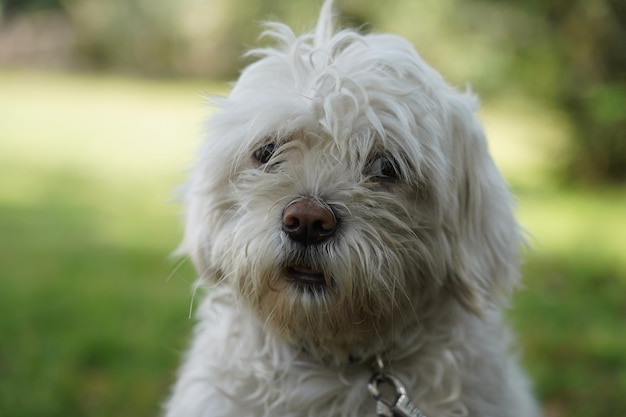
x=101 y=108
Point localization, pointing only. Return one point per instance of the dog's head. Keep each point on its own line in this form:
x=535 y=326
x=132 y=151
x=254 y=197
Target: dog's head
x=346 y=192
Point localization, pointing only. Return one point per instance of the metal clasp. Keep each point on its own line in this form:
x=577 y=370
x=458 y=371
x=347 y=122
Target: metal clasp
x=400 y=405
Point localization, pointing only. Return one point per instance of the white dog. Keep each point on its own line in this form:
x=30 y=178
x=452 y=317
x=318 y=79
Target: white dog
x=357 y=239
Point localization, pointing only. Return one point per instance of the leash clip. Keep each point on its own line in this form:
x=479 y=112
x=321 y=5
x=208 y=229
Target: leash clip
x=401 y=405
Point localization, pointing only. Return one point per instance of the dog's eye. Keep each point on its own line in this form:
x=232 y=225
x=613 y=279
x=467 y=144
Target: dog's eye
x=264 y=153
x=383 y=167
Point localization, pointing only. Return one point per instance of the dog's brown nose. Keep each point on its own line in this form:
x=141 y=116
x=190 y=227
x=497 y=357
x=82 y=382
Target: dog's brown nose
x=307 y=221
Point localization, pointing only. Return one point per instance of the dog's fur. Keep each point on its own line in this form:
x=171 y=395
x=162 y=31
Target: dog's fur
x=424 y=256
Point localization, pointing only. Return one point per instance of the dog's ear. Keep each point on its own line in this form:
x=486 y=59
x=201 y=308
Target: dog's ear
x=484 y=235
x=197 y=240
x=192 y=246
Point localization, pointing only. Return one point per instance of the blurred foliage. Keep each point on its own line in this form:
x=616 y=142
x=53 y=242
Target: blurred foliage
x=13 y=7
x=587 y=40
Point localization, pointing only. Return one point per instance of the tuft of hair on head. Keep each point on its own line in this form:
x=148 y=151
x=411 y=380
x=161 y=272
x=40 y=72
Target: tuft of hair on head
x=325 y=24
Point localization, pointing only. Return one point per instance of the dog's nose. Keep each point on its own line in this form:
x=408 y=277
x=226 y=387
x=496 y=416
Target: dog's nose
x=307 y=221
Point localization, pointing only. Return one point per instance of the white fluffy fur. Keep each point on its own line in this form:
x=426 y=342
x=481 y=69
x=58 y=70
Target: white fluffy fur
x=418 y=270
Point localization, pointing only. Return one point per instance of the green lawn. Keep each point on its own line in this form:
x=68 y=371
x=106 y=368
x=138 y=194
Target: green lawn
x=94 y=312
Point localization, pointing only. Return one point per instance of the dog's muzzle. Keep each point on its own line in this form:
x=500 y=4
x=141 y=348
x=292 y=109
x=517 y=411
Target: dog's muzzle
x=308 y=222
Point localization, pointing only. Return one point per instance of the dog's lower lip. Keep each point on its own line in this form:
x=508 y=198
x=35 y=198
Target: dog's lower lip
x=305 y=275
x=304 y=270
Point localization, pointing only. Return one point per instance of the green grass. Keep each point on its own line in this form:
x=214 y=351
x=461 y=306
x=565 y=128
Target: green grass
x=89 y=322
x=94 y=313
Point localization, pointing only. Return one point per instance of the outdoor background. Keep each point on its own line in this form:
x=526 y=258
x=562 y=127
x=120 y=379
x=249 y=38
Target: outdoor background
x=101 y=107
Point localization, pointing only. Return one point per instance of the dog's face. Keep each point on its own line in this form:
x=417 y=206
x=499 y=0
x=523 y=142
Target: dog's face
x=346 y=193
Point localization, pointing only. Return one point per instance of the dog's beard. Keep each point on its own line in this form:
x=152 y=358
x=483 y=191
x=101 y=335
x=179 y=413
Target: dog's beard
x=375 y=279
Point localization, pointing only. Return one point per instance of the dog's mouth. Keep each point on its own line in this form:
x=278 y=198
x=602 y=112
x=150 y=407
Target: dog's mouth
x=306 y=276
